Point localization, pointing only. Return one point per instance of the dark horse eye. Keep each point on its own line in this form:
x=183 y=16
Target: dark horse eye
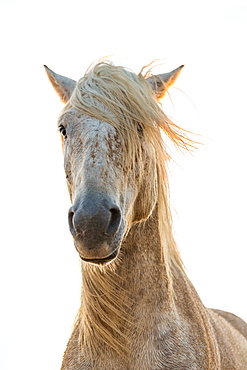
x=140 y=130
x=62 y=131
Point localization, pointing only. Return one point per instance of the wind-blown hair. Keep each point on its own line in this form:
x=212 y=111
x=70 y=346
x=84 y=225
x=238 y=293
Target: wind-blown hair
x=124 y=96
x=126 y=101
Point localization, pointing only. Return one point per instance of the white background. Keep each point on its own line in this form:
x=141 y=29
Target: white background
x=39 y=268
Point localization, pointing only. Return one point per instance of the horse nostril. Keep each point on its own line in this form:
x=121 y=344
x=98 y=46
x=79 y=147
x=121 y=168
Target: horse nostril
x=114 y=221
x=71 y=223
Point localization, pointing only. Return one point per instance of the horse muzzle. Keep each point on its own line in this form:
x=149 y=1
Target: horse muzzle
x=96 y=226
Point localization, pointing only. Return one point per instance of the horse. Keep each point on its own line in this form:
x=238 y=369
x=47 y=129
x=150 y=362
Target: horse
x=139 y=310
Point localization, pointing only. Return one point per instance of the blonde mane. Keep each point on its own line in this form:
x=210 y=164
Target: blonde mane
x=127 y=102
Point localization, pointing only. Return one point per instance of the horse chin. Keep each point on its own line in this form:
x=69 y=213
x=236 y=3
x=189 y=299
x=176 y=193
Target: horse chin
x=101 y=261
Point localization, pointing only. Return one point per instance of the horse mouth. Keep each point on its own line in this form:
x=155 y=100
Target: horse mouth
x=101 y=261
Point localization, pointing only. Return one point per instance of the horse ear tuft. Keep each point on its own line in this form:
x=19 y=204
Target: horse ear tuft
x=162 y=82
x=63 y=86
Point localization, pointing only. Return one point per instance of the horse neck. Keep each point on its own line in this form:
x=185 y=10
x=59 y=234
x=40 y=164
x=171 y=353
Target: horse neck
x=128 y=303
x=143 y=264
x=128 y=295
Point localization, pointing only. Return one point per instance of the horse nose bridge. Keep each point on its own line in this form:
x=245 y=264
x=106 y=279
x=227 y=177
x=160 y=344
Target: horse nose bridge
x=94 y=215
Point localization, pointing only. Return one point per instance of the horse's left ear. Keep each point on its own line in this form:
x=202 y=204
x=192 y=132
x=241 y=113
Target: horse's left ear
x=64 y=86
x=161 y=83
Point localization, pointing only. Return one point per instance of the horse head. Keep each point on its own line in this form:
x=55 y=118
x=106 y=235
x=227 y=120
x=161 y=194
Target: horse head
x=108 y=129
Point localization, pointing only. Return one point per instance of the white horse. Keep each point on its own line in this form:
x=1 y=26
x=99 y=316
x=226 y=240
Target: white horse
x=138 y=308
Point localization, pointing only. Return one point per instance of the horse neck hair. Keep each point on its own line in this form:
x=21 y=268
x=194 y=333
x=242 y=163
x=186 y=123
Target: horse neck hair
x=103 y=312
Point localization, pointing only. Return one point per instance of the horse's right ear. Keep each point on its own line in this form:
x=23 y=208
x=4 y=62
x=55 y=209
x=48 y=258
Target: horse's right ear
x=161 y=83
x=64 y=86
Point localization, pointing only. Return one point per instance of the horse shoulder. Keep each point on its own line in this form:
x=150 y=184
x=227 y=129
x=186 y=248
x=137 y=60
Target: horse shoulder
x=231 y=335
x=234 y=320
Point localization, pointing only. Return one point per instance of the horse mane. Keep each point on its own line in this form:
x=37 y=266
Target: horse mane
x=126 y=101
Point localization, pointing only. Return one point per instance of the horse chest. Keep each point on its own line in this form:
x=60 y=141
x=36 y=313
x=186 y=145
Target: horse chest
x=161 y=352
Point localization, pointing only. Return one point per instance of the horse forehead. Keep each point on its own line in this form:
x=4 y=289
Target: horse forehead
x=87 y=126
x=98 y=133
x=97 y=136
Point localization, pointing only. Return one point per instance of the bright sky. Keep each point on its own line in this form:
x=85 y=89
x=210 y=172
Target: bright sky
x=39 y=271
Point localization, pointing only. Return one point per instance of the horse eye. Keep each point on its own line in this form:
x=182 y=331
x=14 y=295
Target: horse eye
x=62 y=131
x=140 y=130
